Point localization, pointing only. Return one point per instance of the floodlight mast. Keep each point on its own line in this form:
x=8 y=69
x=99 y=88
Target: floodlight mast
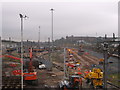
x=52 y=31
x=39 y=38
x=22 y=17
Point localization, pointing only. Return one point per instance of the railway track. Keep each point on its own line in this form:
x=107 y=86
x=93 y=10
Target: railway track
x=89 y=60
x=59 y=67
x=11 y=82
x=113 y=85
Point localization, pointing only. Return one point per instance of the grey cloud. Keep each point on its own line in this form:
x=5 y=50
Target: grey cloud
x=69 y=19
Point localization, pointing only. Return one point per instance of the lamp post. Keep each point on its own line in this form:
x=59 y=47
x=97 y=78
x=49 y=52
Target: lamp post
x=64 y=63
x=52 y=31
x=22 y=17
x=49 y=48
x=105 y=65
x=52 y=25
x=39 y=38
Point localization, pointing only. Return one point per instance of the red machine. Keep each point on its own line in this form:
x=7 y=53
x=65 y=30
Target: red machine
x=30 y=75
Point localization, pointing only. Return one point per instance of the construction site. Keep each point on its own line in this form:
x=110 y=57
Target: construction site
x=74 y=48
x=68 y=67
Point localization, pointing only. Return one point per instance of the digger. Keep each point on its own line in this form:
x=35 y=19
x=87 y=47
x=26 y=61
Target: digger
x=30 y=75
x=95 y=78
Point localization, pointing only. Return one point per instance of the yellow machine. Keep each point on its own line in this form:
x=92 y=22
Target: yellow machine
x=95 y=77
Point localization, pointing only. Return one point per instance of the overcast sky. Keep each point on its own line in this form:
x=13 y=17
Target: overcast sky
x=70 y=18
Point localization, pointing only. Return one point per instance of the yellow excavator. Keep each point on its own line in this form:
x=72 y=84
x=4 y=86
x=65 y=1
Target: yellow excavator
x=95 y=78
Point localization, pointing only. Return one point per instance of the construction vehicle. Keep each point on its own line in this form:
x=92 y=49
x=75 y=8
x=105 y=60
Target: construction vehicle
x=73 y=83
x=95 y=78
x=30 y=75
x=101 y=61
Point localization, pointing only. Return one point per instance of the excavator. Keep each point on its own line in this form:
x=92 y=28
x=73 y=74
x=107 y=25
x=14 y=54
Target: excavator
x=95 y=78
x=30 y=75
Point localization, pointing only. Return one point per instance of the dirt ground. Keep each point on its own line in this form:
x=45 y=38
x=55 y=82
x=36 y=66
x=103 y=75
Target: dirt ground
x=47 y=79
x=51 y=79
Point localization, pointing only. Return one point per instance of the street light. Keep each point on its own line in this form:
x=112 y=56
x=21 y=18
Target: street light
x=52 y=25
x=64 y=63
x=52 y=30
x=39 y=38
x=105 y=65
x=22 y=17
